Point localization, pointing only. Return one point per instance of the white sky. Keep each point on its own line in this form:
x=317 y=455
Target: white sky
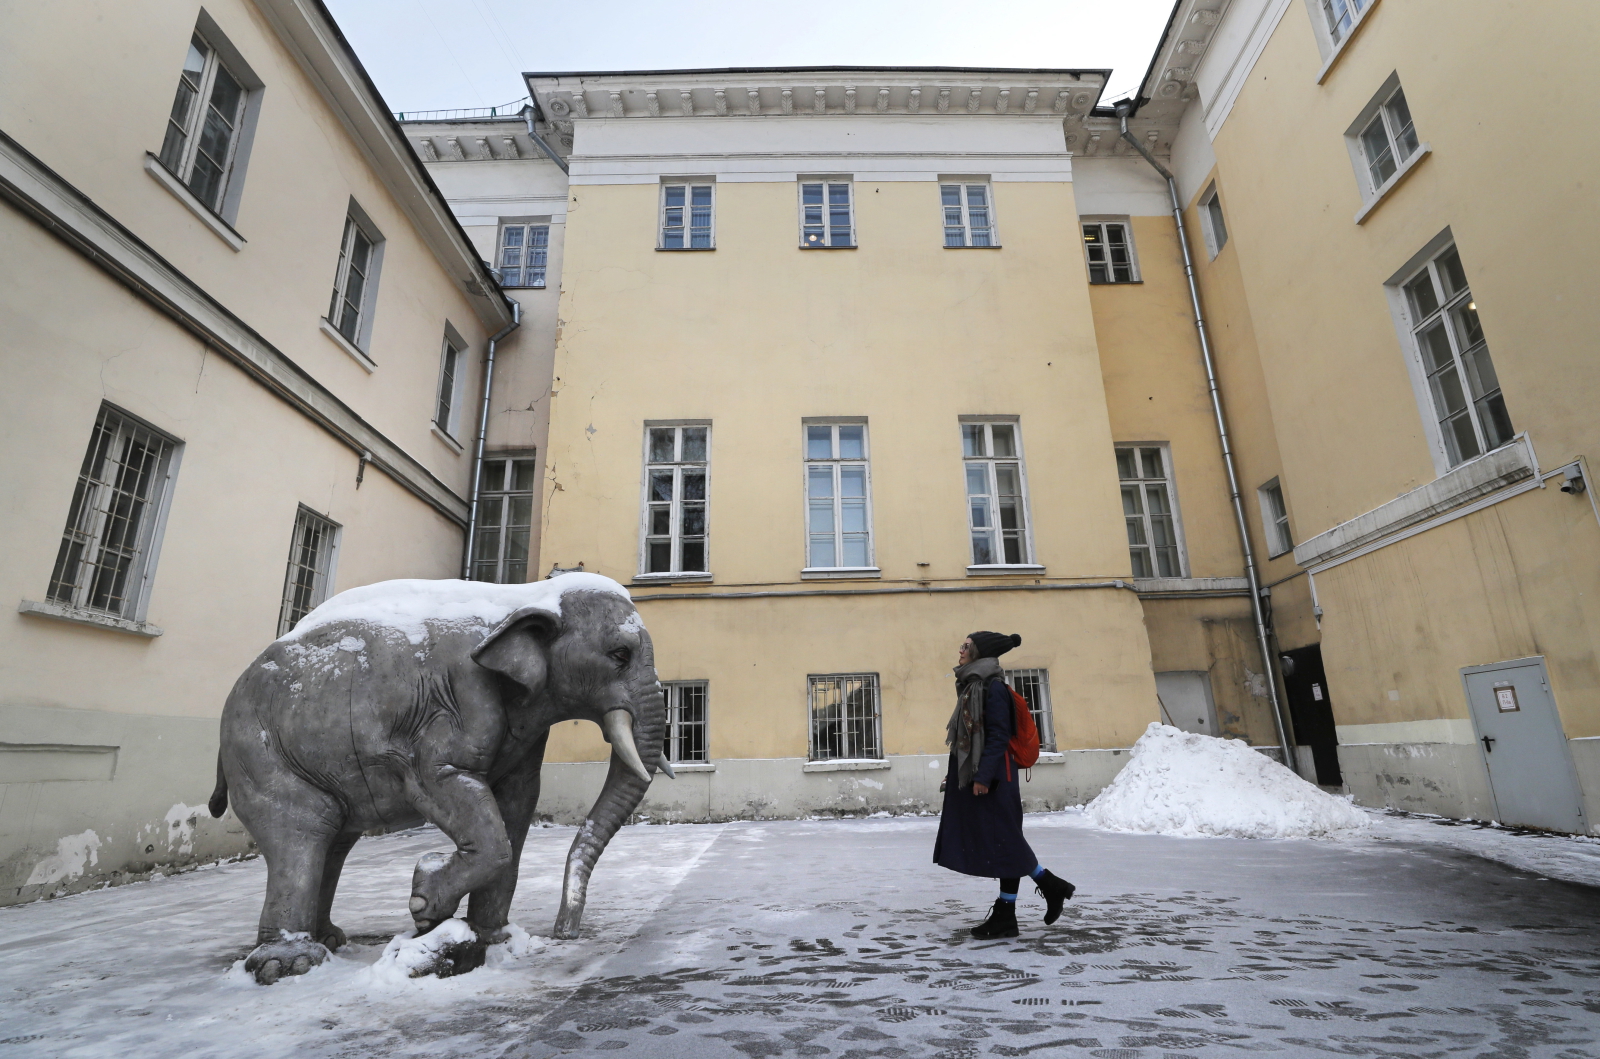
x=442 y=54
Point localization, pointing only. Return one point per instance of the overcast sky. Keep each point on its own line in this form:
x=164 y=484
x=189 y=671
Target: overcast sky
x=443 y=54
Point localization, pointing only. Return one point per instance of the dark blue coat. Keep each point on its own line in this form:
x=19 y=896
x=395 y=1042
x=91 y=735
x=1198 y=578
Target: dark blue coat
x=981 y=834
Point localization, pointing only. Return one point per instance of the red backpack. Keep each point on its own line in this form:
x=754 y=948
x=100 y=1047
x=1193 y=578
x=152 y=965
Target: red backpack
x=1024 y=744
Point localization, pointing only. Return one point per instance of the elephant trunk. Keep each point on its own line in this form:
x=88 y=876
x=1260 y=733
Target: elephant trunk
x=626 y=783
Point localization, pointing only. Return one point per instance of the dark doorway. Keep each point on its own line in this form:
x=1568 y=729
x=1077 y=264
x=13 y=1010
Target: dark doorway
x=1311 y=710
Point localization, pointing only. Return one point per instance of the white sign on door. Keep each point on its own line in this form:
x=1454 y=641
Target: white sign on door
x=1506 y=700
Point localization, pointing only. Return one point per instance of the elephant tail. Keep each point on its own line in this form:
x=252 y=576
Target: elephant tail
x=219 y=797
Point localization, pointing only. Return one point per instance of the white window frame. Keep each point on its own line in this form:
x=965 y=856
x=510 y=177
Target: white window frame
x=1104 y=226
x=1170 y=486
x=1275 y=518
x=958 y=219
x=1325 y=17
x=678 y=468
x=824 y=690
x=997 y=532
x=180 y=158
x=448 y=394
x=1401 y=142
x=533 y=256
x=494 y=545
x=1034 y=686
x=1213 y=222
x=825 y=228
x=672 y=736
x=356 y=221
x=302 y=594
x=688 y=227
x=836 y=463
x=87 y=538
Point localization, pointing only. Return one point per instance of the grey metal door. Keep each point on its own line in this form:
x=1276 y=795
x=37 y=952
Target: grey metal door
x=1520 y=738
x=1185 y=697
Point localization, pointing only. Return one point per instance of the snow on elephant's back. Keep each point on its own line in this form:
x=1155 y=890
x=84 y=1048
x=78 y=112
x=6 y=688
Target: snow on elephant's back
x=411 y=606
x=1179 y=783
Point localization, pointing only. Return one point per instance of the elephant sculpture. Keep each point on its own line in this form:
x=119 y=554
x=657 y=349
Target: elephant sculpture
x=411 y=701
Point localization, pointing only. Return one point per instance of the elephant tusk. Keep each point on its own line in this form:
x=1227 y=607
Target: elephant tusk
x=666 y=767
x=618 y=726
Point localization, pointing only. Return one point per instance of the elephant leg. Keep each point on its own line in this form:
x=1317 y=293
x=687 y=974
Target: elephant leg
x=295 y=858
x=489 y=908
x=462 y=806
x=332 y=866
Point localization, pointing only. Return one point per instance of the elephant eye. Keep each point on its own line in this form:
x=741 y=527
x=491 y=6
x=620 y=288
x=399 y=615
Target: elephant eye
x=622 y=656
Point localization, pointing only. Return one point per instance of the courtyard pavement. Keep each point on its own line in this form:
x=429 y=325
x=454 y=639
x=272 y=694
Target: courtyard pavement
x=839 y=938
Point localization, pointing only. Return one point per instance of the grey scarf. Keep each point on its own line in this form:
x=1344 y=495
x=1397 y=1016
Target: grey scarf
x=964 y=733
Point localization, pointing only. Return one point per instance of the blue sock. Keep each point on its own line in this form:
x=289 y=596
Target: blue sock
x=1008 y=897
x=1037 y=871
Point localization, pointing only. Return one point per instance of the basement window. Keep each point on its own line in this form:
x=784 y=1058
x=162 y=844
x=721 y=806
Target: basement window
x=684 y=741
x=846 y=718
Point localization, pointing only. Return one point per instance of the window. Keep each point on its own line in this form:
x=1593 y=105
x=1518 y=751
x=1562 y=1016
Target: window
x=1462 y=384
x=1110 y=248
x=107 y=550
x=996 y=501
x=452 y=361
x=968 y=219
x=1034 y=686
x=1211 y=222
x=524 y=253
x=505 y=519
x=1387 y=138
x=202 y=136
x=355 y=280
x=825 y=218
x=676 y=467
x=686 y=215
x=846 y=722
x=1148 y=507
x=684 y=741
x=1275 y=519
x=1341 y=15
x=312 y=549
x=838 y=520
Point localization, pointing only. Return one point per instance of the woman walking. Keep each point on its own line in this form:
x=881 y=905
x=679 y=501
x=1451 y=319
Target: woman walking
x=980 y=831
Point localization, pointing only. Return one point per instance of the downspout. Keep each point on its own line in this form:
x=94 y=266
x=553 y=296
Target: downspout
x=483 y=430
x=528 y=114
x=1263 y=639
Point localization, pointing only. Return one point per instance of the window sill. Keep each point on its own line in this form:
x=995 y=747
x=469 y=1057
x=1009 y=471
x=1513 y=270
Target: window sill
x=1399 y=177
x=694 y=766
x=219 y=227
x=1050 y=757
x=1179 y=586
x=840 y=573
x=852 y=246
x=684 y=249
x=1339 y=49
x=656 y=579
x=1001 y=570
x=80 y=616
x=1115 y=282
x=995 y=247
x=529 y=286
x=853 y=765
x=455 y=446
x=348 y=346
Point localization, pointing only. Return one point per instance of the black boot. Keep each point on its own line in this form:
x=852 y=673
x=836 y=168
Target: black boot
x=1002 y=922
x=1055 y=891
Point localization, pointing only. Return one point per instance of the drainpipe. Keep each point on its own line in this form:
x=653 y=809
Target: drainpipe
x=1262 y=637
x=483 y=430
x=538 y=141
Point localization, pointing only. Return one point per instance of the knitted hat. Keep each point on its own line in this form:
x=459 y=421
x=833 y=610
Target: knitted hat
x=994 y=644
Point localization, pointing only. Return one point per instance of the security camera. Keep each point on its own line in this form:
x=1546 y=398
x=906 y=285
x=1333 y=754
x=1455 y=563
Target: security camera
x=1574 y=483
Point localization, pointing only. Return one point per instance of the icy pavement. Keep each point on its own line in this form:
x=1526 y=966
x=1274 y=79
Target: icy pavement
x=839 y=938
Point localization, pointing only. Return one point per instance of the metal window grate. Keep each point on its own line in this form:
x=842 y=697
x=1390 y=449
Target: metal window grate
x=846 y=722
x=105 y=546
x=685 y=737
x=505 y=519
x=1034 y=686
x=305 y=583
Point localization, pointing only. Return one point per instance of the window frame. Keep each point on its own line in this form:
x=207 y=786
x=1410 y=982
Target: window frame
x=1171 y=486
x=503 y=529
x=323 y=578
x=675 y=505
x=965 y=186
x=1104 y=224
x=1213 y=221
x=1275 y=518
x=689 y=184
x=1029 y=555
x=869 y=681
x=827 y=183
x=527 y=228
x=452 y=370
x=1379 y=111
x=837 y=463
x=221 y=55
x=1331 y=42
x=1039 y=704
x=671 y=736
x=357 y=221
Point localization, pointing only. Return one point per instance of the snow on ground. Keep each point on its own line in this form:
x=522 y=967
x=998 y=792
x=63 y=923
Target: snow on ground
x=1180 y=783
x=1570 y=858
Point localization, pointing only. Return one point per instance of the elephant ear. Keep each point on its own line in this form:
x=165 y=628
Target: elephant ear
x=519 y=646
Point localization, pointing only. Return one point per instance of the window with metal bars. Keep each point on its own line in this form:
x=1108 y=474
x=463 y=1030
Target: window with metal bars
x=1034 y=686
x=1151 y=514
x=202 y=134
x=1387 y=140
x=447 y=409
x=684 y=740
x=1109 y=247
x=677 y=466
x=825 y=214
x=846 y=720
x=838 y=515
x=997 y=516
x=505 y=518
x=355 y=280
x=524 y=254
x=1463 y=387
x=686 y=218
x=968 y=215
x=103 y=563
x=309 y=578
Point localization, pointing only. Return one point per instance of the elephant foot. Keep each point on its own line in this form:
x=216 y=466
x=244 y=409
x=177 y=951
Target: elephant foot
x=449 y=949
x=331 y=937
x=293 y=953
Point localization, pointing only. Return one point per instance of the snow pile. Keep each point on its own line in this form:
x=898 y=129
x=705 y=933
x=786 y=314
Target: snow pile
x=408 y=606
x=408 y=956
x=1179 y=783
